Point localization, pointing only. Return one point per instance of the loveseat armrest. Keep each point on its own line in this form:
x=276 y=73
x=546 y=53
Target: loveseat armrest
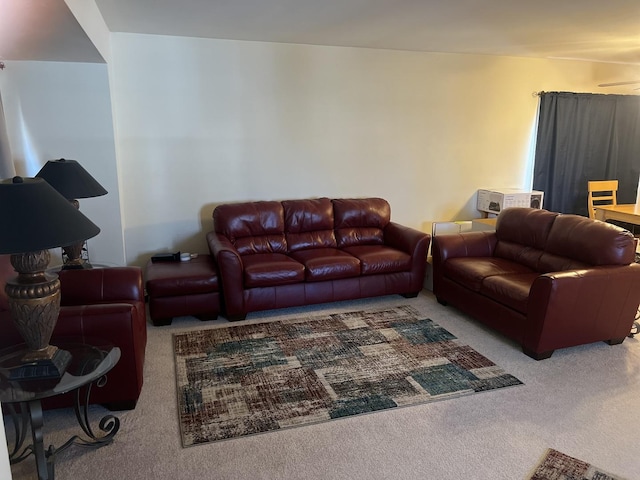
x=467 y=244
x=230 y=268
x=101 y=285
x=581 y=306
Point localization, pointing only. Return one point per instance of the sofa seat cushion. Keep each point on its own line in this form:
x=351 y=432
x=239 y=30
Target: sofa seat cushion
x=472 y=271
x=511 y=289
x=375 y=259
x=269 y=269
x=327 y=264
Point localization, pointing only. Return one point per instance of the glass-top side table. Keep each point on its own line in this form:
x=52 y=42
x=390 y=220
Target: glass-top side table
x=90 y=362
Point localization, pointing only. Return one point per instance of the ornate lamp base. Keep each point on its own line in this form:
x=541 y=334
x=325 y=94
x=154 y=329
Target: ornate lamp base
x=73 y=257
x=34 y=301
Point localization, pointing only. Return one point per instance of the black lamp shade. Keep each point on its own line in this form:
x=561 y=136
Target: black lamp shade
x=70 y=179
x=36 y=217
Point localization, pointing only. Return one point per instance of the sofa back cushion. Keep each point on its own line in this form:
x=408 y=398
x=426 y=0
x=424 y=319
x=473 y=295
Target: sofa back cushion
x=308 y=224
x=522 y=235
x=252 y=227
x=360 y=221
x=590 y=242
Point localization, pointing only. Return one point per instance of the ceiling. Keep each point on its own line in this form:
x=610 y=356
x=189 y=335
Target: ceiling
x=594 y=30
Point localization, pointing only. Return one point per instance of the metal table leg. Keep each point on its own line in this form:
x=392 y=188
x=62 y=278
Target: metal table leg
x=31 y=416
x=37 y=423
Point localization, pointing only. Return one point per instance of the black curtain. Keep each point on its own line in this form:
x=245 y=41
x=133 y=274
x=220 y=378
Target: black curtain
x=582 y=137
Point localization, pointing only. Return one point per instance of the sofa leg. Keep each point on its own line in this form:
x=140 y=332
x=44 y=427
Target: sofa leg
x=236 y=318
x=442 y=302
x=615 y=341
x=410 y=295
x=537 y=355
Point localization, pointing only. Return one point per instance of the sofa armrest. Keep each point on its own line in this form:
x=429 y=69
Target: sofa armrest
x=101 y=285
x=409 y=240
x=414 y=243
x=230 y=268
x=581 y=306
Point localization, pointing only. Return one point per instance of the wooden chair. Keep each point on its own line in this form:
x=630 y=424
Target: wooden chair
x=601 y=192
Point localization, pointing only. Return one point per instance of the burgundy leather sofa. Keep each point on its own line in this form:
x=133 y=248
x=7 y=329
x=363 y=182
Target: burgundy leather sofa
x=102 y=303
x=543 y=279
x=273 y=254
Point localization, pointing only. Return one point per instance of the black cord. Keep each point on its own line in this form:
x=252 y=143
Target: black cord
x=635 y=329
x=636 y=325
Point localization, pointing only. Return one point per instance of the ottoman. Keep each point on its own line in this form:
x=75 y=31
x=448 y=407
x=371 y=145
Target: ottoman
x=182 y=288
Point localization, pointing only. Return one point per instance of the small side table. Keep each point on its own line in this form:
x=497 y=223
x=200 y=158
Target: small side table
x=88 y=367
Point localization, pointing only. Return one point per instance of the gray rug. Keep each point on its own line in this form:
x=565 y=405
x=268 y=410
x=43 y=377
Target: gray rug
x=242 y=380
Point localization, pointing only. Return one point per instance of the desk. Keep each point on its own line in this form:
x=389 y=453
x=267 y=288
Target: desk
x=629 y=213
x=88 y=366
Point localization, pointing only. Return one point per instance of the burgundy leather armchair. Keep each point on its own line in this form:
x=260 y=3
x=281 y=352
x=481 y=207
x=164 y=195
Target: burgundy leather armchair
x=102 y=303
x=275 y=254
x=543 y=279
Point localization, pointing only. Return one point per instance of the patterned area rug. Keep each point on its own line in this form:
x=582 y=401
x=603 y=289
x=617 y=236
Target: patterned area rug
x=558 y=466
x=248 y=379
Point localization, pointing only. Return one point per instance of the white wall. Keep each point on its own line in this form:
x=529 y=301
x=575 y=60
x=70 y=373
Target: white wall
x=63 y=110
x=5 y=466
x=201 y=122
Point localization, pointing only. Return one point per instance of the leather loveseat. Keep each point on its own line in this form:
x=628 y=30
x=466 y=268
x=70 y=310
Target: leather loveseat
x=106 y=304
x=543 y=279
x=273 y=254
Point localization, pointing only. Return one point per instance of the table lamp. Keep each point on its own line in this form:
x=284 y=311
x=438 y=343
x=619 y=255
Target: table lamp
x=35 y=218
x=72 y=181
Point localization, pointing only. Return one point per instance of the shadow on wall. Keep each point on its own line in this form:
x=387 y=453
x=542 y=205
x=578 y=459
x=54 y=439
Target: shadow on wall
x=183 y=238
x=455 y=213
x=186 y=236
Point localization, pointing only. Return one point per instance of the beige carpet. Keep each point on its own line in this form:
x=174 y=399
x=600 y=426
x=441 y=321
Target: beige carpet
x=582 y=401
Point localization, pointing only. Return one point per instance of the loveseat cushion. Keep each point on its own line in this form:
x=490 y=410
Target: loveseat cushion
x=360 y=221
x=252 y=227
x=327 y=264
x=269 y=269
x=375 y=259
x=522 y=235
x=511 y=289
x=593 y=243
x=556 y=263
x=309 y=224
x=472 y=271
